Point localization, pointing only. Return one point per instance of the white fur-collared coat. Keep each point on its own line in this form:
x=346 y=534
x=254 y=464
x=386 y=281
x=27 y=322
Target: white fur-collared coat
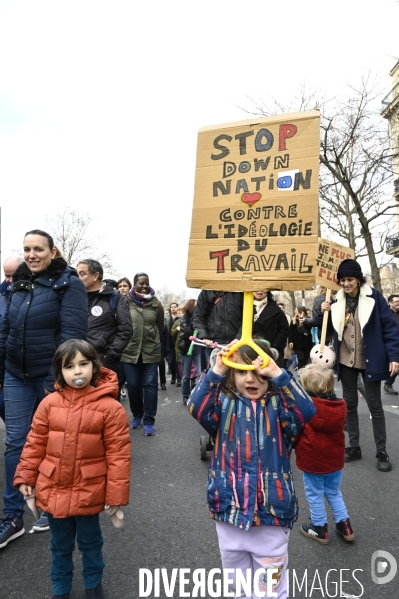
x=380 y=332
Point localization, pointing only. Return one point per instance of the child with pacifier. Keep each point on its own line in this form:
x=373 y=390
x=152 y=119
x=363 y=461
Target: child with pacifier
x=254 y=417
x=76 y=462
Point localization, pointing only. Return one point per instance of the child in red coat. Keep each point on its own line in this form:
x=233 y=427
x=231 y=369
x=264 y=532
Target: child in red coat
x=320 y=453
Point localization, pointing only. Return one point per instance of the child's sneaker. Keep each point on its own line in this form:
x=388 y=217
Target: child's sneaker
x=41 y=524
x=316 y=533
x=344 y=529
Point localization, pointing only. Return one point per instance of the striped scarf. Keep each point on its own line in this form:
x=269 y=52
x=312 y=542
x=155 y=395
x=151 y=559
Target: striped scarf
x=139 y=298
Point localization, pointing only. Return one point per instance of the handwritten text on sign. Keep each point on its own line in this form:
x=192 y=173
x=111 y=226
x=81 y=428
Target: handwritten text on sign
x=255 y=207
x=329 y=257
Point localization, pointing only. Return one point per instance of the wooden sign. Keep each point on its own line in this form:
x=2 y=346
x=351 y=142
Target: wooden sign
x=255 y=212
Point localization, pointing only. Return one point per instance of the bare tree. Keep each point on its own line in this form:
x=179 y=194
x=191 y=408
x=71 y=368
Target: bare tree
x=72 y=235
x=356 y=190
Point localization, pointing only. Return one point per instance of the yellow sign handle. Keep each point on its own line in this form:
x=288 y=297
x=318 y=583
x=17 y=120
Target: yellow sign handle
x=246 y=336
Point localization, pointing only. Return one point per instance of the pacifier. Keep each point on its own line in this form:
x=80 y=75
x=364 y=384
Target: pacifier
x=81 y=380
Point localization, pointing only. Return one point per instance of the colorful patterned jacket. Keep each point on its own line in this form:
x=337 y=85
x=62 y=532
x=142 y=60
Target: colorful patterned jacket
x=250 y=480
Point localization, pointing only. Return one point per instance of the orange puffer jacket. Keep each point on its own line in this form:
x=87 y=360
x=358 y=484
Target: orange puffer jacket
x=77 y=454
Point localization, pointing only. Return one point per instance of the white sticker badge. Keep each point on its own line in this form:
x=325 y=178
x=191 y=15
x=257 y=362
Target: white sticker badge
x=96 y=310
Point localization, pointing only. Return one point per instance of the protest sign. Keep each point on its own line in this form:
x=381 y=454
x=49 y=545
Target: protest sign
x=255 y=212
x=329 y=257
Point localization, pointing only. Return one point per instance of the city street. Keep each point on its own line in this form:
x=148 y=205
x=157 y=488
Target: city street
x=167 y=523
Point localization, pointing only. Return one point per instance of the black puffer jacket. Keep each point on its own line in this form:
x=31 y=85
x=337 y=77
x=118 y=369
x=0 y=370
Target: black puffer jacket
x=272 y=325
x=218 y=315
x=108 y=334
x=44 y=311
x=300 y=337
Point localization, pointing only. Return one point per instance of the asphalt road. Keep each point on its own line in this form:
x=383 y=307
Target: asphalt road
x=167 y=523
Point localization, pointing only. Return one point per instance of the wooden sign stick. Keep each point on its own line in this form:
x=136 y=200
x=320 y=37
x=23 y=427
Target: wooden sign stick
x=325 y=321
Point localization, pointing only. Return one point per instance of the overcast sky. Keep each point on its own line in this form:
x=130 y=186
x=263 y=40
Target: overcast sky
x=100 y=103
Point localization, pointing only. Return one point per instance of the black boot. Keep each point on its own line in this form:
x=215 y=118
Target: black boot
x=352 y=453
x=96 y=593
x=383 y=462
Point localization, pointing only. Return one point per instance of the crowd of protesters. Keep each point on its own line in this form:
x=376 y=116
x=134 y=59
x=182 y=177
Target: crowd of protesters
x=134 y=342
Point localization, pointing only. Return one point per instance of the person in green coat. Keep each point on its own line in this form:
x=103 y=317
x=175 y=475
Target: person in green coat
x=143 y=352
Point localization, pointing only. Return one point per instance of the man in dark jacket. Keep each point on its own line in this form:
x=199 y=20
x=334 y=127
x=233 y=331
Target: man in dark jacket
x=9 y=266
x=218 y=315
x=170 y=320
x=270 y=322
x=393 y=301
x=110 y=324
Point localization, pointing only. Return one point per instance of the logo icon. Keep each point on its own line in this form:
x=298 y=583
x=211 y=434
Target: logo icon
x=383 y=567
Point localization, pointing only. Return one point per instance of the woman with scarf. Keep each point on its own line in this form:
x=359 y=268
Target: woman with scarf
x=270 y=322
x=143 y=353
x=366 y=341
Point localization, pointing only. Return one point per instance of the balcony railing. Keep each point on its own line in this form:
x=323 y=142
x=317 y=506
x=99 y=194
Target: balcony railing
x=394 y=93
x=392 y=242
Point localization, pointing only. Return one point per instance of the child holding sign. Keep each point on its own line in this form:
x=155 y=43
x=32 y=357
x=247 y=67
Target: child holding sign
x=254 y=417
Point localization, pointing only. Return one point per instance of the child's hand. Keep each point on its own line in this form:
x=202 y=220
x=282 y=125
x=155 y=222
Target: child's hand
x=220 y=367
x=271 y=370
x=26 y=490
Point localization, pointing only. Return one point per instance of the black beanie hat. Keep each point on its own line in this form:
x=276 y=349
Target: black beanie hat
x=349 y=268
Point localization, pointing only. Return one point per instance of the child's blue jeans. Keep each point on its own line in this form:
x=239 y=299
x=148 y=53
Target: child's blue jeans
x=87 y=531
x=318 y=486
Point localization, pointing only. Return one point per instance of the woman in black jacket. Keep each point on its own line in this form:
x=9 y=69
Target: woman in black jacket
x=270 y=322
x=300 y=337
x=186 y=330
x=47 y=306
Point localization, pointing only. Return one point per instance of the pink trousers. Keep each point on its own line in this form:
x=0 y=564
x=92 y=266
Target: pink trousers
x=263 y=547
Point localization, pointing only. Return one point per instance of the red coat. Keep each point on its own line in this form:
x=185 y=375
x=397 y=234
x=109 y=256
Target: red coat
x=320 y=447
x=77 y=454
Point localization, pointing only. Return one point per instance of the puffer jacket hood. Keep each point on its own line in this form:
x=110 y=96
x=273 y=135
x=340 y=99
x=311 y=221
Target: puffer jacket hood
x=77 y=454
x=54 y=270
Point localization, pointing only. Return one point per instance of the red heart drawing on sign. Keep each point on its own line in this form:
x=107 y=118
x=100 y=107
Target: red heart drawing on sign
x=251 y=198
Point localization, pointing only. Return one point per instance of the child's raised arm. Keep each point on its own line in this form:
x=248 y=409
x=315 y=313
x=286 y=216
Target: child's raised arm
x=295 y=406
x=271 y=370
